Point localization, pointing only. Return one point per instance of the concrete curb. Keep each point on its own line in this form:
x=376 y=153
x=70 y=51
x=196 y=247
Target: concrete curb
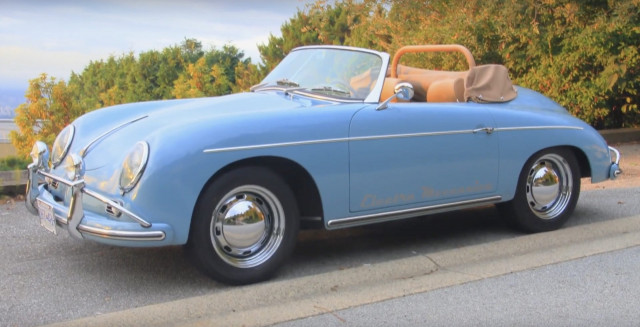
x=13 y=178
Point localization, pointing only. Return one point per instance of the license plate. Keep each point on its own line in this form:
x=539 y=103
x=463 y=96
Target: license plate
x=47 y=216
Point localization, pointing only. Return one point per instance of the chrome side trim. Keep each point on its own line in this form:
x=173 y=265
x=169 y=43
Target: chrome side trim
x=488 y=130
x=337 y=140
x=274 y=145
x=408 y=213
x=530 y=128
x=83 y=152
x=122 y=235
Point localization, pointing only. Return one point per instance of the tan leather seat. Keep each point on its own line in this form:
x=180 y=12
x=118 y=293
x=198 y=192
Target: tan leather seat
x=421 y=79
x=388 y=89
x=446 y=90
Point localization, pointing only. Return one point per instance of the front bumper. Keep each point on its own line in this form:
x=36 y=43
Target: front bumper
x=82 y=223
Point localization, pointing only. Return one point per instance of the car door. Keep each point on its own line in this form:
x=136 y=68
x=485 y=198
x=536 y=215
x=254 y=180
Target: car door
x=420 y=154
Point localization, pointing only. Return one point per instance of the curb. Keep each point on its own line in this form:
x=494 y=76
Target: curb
x=13 y=178
x=621 y=135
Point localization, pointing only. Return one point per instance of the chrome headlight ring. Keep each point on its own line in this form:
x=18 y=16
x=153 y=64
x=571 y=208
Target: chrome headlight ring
x=133 y=166
x=61 y=145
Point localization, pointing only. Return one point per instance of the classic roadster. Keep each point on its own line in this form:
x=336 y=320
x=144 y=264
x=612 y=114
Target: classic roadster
x=333 y=137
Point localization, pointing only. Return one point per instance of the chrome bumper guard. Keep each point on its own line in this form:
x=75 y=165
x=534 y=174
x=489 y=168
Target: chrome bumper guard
x=75 y=212
x=615 y=170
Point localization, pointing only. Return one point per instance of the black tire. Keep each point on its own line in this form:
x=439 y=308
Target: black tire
x=547 y=192
x=244 y=226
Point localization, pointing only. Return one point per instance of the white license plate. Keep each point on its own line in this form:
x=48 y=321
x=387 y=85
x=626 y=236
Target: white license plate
x=47 y=216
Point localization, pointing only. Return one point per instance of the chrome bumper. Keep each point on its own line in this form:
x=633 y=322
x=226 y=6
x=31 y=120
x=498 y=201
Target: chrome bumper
x=72 y=216
x=615 y=170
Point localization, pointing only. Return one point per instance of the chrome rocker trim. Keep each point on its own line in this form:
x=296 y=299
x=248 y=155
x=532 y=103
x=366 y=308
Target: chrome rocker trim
x=75 y=212
x=408 y=213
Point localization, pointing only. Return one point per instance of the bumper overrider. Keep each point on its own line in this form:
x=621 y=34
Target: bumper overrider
x=615 y=170
x=100 y=226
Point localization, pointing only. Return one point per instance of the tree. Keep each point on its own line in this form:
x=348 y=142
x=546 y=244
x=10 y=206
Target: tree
x=212 y=75
x=319 y=23
x=49 y=108
x=246 y=76
x=583 y=54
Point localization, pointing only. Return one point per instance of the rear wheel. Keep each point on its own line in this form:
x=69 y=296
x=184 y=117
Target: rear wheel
x=547 y=192
x=244 y=226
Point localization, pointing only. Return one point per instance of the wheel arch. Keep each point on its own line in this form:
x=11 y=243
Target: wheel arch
x=303 y=186
x=579 y=155
x=581 y=158
x=584 y=166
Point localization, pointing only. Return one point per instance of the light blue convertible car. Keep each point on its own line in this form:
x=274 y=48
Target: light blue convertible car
x=333 y=137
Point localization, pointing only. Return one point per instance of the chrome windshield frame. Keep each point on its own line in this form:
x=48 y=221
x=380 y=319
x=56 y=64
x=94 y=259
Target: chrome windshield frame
x=372 y=97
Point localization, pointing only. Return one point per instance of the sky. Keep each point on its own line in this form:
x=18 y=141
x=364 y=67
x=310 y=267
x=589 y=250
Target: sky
x=60 y=36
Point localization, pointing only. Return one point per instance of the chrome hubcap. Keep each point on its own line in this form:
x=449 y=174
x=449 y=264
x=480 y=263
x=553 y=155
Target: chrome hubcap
x=549 y=186
x=247 y=226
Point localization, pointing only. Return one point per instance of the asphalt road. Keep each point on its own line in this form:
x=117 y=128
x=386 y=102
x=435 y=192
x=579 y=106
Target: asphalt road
x=48 y=279
x=599 y=290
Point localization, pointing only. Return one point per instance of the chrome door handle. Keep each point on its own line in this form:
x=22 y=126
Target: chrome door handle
x=487 y=130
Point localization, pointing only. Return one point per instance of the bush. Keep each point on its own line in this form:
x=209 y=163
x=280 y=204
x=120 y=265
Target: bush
x=13 y=163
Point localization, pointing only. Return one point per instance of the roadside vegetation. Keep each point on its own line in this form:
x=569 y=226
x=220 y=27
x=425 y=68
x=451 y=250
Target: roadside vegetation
x=583 y=54
x=13 y=163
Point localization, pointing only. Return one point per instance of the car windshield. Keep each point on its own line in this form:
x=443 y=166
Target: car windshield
x=337 y=73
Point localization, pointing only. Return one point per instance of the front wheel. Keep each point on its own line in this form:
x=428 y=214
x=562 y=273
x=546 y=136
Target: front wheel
x=244 y=226
x=547 y=192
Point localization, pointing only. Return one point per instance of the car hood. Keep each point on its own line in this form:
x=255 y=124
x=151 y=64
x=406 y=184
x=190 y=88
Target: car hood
x=184 y=111
x=194 y=125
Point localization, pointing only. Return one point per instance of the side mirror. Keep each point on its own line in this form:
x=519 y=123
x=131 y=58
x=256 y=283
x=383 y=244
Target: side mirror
x=403 y=91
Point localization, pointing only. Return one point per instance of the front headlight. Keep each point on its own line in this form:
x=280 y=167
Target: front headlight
x=61 y=145
x=133 y=166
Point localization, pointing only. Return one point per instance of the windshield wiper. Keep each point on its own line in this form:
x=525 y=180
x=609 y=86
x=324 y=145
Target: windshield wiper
x=331 y=90
x=286 y=82
x=283 y=84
